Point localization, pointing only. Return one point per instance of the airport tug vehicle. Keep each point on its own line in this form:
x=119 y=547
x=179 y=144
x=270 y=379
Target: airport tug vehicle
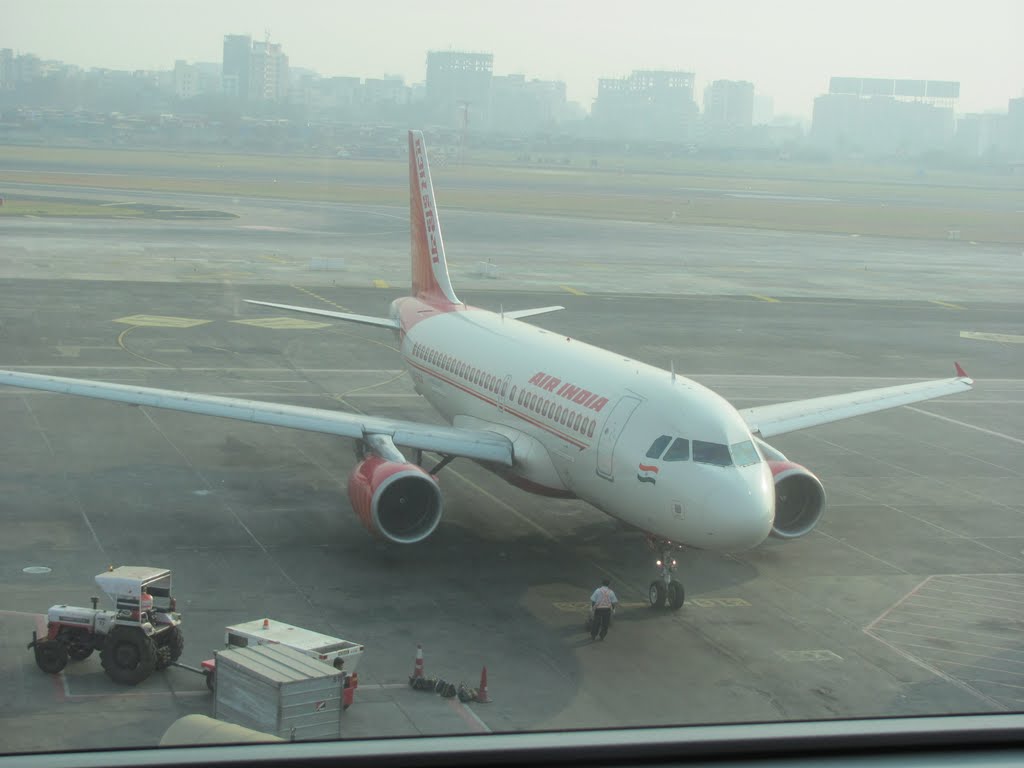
x=142 y=634
x=341 y=654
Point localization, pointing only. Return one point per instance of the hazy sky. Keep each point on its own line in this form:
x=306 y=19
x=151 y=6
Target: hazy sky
x=788 y=48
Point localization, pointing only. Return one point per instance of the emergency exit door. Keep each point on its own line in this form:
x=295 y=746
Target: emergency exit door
x=610 y=434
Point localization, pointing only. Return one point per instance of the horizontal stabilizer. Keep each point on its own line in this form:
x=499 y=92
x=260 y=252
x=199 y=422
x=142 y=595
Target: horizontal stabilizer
x=380 y=322
x=519 y=314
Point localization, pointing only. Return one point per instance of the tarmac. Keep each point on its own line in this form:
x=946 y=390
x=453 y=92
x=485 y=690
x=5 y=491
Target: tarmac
x=907 y=599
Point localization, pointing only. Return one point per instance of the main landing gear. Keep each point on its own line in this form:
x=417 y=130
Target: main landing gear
x=665 y=589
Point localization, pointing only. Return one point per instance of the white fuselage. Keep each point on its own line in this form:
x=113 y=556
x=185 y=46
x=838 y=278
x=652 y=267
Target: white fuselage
x=644 y=446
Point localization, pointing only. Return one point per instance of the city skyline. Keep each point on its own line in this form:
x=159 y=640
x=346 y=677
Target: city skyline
x=771 y=48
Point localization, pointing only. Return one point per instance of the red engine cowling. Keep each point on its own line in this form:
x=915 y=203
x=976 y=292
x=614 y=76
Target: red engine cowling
x=799 y=500
x=400 y=502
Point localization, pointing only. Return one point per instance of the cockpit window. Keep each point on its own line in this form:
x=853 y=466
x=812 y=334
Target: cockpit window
x=658 y=446
x=711 y=453
x=680 y=450
x=744 y=453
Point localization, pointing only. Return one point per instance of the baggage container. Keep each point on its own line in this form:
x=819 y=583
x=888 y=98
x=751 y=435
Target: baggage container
x=278 y=690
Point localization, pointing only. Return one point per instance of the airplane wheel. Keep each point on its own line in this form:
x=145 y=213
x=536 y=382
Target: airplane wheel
x=657 y=594
x=675 y=595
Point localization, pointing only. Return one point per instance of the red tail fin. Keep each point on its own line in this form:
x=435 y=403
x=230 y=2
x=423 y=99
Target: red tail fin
x=429 y=269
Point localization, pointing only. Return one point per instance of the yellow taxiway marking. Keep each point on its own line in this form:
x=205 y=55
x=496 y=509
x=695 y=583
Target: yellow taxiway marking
x=274 y=259
x=120 y=342
x=1008 y=338
x=946 y=304
x=571 y=290
x=381 y=284
x=764 y=298
x=319 y=298
x=283 y=323
x=160 y=321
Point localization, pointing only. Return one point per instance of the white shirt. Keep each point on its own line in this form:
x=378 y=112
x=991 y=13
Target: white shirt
x=603 y=597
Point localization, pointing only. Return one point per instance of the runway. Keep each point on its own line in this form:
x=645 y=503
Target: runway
x=333 y=244
x=907 y=599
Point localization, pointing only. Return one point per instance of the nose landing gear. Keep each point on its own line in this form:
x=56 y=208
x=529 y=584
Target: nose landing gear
x=666 y=589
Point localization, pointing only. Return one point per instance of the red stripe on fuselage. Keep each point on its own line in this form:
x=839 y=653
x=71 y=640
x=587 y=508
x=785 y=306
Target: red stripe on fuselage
x=491 y=401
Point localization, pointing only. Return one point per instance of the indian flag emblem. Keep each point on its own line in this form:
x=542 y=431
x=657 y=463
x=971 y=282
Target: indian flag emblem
x=647 y=474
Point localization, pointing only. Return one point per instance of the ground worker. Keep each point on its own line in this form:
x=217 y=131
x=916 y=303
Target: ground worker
x=146 y=601
x=602 y=602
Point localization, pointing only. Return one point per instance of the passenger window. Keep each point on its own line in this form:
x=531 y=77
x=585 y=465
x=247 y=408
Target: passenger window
x=658 y=447
x=590 y=427
x=680 y=450
x=504 y=387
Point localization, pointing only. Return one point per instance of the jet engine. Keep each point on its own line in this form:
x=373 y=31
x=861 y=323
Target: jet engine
x=799 y=499
x=399 y=501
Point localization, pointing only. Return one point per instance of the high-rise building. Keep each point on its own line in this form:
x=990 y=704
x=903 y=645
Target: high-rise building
x=881 y=117
x=649 y=104
x=1015 y=128
x=268 y=73
x=728 y=107
x=521 y=106
x=458 y=85
x=6 y=69
x=235 y=66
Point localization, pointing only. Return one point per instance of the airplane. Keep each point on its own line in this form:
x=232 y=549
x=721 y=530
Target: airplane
x=554 y=416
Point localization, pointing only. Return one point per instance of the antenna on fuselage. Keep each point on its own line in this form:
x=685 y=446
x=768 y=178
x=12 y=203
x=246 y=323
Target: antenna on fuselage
x=673 y=366
x=501 y=309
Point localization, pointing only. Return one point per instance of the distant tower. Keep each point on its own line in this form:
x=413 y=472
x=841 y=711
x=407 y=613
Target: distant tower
x=235 y=66
x=464 y=133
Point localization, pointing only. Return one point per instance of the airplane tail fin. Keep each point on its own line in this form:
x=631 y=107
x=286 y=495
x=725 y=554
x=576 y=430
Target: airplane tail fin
x=429 y=269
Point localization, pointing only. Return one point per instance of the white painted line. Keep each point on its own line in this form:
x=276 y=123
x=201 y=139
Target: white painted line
x=944 y=606
x=932 y=636
x=967 y=653
x=974 y=597
x=987 y=634
x=965 y=424
x=972 y=666
x=983 y=578
x=1008 y=338
x=939 y=673
x=469 y=716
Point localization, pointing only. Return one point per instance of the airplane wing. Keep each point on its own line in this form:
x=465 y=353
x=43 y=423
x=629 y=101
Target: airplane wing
x=770 y=420
x=380 y=322
x=469 y=443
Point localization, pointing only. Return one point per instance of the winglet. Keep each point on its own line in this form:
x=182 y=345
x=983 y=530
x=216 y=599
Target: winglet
x=960 y=372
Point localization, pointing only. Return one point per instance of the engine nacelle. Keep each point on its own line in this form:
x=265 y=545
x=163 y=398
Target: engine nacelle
x=400 y=502
x=799 y=500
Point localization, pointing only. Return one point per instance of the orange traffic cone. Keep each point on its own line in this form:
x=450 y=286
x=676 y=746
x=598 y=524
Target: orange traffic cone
x=481 y=695
x=417 y=670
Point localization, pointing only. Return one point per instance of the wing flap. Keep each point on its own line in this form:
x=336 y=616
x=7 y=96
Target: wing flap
x=778 y=419
x=380 y=322
x=472 y=444
x=519 y=314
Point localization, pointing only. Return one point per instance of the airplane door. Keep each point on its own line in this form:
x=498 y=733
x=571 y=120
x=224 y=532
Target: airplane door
x=504 y=392
x=610 y=434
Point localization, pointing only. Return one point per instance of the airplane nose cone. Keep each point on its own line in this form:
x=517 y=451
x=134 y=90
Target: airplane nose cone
x=748 y=516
